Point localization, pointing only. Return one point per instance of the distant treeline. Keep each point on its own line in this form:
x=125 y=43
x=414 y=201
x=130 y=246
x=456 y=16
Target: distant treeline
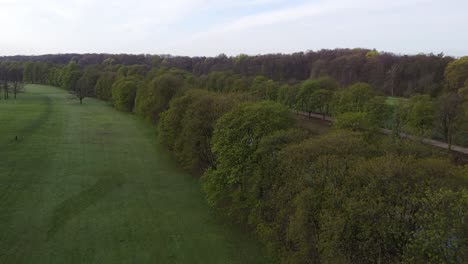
x=391 y=74
x=435 y=109
x=348 y=196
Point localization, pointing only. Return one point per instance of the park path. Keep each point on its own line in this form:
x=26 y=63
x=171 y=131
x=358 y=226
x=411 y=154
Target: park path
x=431 y=142
x=88 y=184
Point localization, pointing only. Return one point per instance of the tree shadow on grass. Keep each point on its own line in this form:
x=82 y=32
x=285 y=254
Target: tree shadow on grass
x=38 y=122
x=76 y=204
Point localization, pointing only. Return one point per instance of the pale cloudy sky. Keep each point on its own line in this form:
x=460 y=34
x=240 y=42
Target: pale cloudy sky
x=210 y=27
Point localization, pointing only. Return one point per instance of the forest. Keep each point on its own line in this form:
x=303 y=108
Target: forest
x=347 y=195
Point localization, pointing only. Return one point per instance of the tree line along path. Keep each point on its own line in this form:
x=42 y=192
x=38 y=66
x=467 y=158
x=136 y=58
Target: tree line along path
x=88 y=184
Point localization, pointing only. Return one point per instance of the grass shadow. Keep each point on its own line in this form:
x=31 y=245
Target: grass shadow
x=76 y=204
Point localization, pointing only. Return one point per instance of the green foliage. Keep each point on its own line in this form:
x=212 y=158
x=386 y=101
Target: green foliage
x=265 y=89
x=236 y=138
x=380 y=113
x=372 y=54
x=187 y=127
x=419 y=114
x=456 y=74
x=305 y=102
x=104 y=84
x=316 y=95
x=356 y=121
x=304 y=173
x=287 y=95
x=153 y=98
x=353 y=98
x=85 y=85
x=224 y=82
x=452 y=116
x=170 y=123
x=441 y=233
x=124 y=92
x=70 y=76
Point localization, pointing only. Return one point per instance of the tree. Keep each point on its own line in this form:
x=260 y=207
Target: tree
x=170 y=122
x=70 y=75
x=15 y=75
x=451 y=115
x=83 y=89
x=192 y=146
x=305 y=100
x=441 y=234
x=124 y=92
x=235 y=139
x=154 y=97
x=456 y=74
x=104 y=84
x=353 y=98
x=356 y=121
x=420 y=115
x=84 y=86
x=287 y=95
x=380 y=113
x=322 y=99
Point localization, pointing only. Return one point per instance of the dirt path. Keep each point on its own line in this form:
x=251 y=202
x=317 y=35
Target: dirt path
x=431 y=142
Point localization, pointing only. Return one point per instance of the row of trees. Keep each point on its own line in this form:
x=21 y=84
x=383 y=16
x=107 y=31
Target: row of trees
x=443 y=117
x=361 y=106
x=11 y=79
x=341 y=197
x=392 y=74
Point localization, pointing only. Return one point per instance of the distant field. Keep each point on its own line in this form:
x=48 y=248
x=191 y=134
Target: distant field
x=88 y=184
x=395 y=100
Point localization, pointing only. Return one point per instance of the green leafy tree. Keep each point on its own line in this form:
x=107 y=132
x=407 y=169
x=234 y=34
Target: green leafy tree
x=287 y=95
x=170 y=124
x=420 y=115
x=104 y=84
x=70 y=75
x=322 y=99
x=451 y=116
x=441 y=233
x=305 y=100
x=192 y=146
x=353 y=99
x=154 y=97
x=356 y=121
x=235 y=140
x=456 y=74
x=124 y=92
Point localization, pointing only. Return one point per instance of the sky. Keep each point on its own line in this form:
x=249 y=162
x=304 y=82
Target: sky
x=232 y=27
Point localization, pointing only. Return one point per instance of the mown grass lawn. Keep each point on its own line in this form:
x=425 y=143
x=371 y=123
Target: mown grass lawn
x=394 y=101
x=88 y=184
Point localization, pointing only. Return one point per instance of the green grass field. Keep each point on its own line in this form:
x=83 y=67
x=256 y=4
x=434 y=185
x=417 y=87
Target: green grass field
x=88 y=184
x=393 y=101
